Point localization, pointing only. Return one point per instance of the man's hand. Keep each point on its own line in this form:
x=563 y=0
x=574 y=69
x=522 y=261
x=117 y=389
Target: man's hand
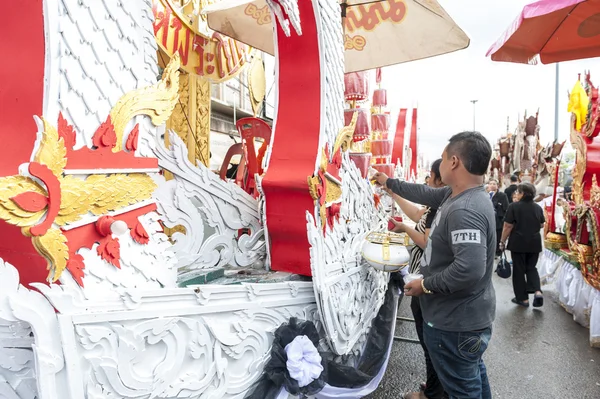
x=502 y=246
x=399 y=227
x=380 y=178
x=413 y=288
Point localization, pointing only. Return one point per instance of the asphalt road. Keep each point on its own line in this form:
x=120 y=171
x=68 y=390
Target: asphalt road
x=533 y=354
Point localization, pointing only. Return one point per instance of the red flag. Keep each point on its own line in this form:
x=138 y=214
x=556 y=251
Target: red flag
x=413 y=143
x=398 y=150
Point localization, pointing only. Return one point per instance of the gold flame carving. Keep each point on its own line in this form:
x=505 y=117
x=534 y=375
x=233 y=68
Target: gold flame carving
x=53 y=247
x=155 y=101
x=52 y=151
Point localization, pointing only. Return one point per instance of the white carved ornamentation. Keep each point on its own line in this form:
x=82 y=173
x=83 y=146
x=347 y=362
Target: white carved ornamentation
x=348 y=291
x=195 y=342
x=212 y=211
x=29 y=336
x=98 y=50
x=142 y=266
x=331 y=48
x=286 y=12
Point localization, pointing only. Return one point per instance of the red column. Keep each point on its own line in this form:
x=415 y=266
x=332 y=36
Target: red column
x=21 y=97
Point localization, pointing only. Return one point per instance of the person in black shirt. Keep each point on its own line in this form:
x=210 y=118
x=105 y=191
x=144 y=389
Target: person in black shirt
x=522 y=224
x=510 y=190
x=500 y=203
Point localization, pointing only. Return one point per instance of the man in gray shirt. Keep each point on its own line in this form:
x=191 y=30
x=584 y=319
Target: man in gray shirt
x=456 y=293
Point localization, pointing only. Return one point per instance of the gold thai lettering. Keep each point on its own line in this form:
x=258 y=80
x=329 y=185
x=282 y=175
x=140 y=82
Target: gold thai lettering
x=368 y=17
x=261 y=15
x=357 y=42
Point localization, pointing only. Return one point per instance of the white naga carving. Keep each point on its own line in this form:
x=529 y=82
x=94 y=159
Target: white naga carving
x=222 y=221
x=286 y=12
x=331 y=49
x=349 y=292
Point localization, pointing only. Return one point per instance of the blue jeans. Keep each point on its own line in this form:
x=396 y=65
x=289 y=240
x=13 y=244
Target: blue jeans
x=457 y=359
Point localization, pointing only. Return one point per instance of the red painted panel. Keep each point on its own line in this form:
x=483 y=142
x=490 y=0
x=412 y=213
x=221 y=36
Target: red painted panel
x=21 y=96
x=398 y=151
x=295 y=145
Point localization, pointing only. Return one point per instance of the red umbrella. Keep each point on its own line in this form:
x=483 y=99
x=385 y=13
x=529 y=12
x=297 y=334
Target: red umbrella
x=554 y=30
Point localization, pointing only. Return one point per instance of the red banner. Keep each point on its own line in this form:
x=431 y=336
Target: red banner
x=413 y=144
x=398 y=150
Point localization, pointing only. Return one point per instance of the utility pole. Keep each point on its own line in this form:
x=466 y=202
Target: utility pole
x=556 y=106
x=474 y=102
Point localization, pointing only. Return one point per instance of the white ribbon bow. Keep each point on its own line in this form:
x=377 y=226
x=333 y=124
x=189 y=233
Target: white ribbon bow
x=304 y=361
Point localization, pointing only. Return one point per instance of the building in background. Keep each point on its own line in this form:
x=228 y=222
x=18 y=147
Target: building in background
x=230 y=101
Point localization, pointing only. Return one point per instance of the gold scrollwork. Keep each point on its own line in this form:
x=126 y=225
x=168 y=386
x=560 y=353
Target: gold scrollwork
x=156 y=101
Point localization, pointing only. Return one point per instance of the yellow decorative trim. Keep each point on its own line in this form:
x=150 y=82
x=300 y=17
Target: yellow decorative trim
x=10 y=187
x=313 y=186
x=201 y=119
x=53 y=247
x=257 y=84
x=595 y=193
x=155 y=101
x=343 y=140
x=100 y=194
x=333 y=191
x=580 y=165
x=52 y=151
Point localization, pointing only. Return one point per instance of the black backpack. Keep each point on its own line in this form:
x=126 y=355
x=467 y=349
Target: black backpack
x=503 y=268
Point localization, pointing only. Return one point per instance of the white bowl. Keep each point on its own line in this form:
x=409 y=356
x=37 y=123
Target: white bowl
x=385 y=251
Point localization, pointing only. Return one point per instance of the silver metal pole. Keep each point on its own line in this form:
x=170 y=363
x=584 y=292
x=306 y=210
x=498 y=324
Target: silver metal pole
x=474 y=102
x=556 y=105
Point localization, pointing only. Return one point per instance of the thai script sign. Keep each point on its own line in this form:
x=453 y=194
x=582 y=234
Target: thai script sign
x=215 y=57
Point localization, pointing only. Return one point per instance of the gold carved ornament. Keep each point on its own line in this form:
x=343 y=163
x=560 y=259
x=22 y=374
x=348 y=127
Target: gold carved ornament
x=28 y=204
x=580 y=166
x=323 y=189
x=589 y=255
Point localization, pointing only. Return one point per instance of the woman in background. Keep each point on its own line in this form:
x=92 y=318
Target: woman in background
x=423 y=217
x=522 y=225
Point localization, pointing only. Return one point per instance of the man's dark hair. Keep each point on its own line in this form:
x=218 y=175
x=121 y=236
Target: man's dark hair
x=528 y=191
x=435 y=168
x=473 y=150
x=514 y=179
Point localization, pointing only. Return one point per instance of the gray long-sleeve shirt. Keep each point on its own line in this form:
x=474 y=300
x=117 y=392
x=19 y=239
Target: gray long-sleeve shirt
x=458 y=260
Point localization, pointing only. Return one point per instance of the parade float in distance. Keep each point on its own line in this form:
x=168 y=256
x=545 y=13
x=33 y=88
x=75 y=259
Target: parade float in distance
x=553 y=31
x=112 y=221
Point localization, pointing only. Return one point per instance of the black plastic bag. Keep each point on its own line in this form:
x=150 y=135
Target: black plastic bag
x=503 y=268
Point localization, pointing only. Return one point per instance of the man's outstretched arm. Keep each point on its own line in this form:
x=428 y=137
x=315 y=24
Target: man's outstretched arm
x=419 y=193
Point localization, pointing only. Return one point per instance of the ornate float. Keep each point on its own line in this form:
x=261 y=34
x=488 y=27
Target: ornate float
x=109 y=233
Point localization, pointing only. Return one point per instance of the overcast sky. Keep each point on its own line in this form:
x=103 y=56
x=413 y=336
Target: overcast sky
x=443 y=86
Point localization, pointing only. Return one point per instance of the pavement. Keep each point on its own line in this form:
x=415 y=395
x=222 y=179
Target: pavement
x=533 y=353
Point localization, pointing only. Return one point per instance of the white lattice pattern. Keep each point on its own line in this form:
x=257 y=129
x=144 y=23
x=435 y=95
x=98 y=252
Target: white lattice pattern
x=98 y=51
